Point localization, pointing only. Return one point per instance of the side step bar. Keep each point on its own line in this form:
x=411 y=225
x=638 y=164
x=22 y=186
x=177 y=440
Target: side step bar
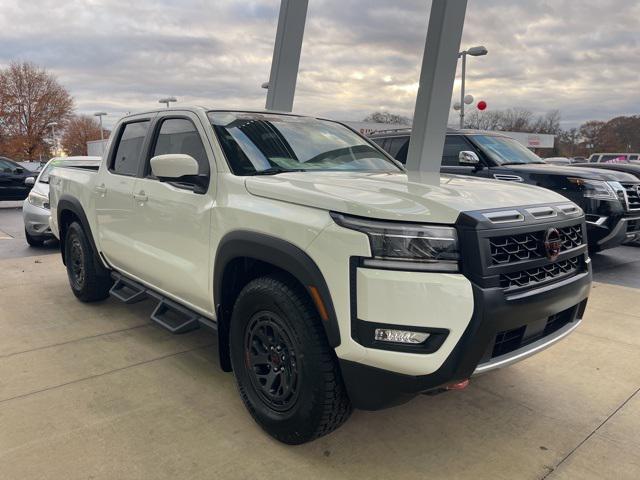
x=168 y=314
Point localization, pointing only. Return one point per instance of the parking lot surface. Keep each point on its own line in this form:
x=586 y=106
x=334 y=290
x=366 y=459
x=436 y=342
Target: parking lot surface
x=97 y=391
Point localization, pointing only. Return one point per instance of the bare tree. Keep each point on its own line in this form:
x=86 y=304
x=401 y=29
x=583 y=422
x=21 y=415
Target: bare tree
x=590 y=132
x=80 y=129
x=547 y=123
x=485 y=120
x=386 y=117
x=30 y=98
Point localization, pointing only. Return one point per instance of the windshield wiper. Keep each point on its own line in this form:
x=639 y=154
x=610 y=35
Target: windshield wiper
x=276 y=170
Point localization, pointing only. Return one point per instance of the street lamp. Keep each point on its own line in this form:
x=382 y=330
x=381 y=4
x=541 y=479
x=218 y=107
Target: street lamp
x=167 y=100
x=474 y=52
x=53 y=135
x=100 y=115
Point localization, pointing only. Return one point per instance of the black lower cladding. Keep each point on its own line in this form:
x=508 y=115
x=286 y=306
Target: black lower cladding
x=495 y=312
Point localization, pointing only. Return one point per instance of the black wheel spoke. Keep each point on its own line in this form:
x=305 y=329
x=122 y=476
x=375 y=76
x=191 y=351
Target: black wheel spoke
x=269 y=352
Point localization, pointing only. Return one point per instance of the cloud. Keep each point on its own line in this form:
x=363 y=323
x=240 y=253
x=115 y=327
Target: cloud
x=358 y=55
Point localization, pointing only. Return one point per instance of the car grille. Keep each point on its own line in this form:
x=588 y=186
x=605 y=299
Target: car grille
x=633 y=226
x=527 y=246
x=509 y=340
x=540 y=275
x=633 y=195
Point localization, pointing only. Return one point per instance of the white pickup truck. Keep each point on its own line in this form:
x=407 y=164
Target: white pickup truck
x=334 y=278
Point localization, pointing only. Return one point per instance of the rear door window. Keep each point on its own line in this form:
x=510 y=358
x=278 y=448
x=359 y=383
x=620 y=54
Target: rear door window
x=126 y=160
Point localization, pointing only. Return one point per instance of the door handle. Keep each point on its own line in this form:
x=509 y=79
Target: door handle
x=101 y=189
x=140 y=196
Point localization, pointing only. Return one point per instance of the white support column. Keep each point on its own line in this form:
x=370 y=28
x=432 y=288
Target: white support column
x=436 y=85
x=286 y=55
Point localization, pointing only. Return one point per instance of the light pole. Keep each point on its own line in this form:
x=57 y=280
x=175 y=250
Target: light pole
x=167 y=100
x=100 y=115
x=474 y=52
x=53 y=135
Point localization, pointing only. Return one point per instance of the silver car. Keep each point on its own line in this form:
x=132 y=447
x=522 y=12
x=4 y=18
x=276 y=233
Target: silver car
x=35 y=210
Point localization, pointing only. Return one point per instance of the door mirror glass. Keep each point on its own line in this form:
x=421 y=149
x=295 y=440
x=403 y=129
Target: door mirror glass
x=30 y=181
x=173 y=166
x=467 y=157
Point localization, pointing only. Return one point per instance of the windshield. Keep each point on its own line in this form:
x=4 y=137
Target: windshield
x=44 y=175
x=262 y=143
x=504 y=150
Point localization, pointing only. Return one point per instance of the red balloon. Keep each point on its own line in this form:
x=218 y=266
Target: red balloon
x=482 y=105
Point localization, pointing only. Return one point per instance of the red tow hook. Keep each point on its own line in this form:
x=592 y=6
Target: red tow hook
x=461 y=385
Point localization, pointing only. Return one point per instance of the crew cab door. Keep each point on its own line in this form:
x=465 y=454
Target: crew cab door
x=113 y=193
x=171 y=226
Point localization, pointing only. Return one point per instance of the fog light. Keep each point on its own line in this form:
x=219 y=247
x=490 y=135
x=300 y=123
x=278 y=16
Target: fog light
x=400 y=336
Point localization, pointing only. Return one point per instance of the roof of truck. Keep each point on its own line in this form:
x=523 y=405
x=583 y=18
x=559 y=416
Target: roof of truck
x=201 y=108
x=407 y=131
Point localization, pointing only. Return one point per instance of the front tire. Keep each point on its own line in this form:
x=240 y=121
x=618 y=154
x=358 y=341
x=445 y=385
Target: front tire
x=89 y=280
x=286 y=372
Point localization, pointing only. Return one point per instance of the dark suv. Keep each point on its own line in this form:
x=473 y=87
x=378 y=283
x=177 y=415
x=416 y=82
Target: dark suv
x=603 y=194
x=13 y=176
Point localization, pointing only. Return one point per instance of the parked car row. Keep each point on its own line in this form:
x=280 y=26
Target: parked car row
x=608 y=194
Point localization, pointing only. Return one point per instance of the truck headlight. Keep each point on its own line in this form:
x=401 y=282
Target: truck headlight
x=39 y=200
x=598 y=189
x=406 y=246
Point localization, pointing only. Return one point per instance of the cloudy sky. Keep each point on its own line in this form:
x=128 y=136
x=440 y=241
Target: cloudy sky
x=582 y=57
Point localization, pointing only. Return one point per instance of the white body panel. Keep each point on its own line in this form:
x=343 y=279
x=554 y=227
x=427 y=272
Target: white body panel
x=167 y=237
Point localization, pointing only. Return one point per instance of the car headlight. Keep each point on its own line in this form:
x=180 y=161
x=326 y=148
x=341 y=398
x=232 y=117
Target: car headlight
x=39 y=200
x=407 y=246
x=598 y=189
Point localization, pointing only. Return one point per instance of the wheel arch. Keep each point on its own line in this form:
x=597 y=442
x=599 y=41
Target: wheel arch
x=69 y=209
x=238 y=248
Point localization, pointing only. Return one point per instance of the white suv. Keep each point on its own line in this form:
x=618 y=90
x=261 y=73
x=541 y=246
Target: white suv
x=334 y=278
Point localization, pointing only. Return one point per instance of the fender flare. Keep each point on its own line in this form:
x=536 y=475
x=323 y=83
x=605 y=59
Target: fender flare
x=73 y=205
x=282 y=255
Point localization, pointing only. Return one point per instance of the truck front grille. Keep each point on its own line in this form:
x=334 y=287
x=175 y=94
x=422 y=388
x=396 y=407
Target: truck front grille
x=527 y=246
x=540 y=275
x=633 y=195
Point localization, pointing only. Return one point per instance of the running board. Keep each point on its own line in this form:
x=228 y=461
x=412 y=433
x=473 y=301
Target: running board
x=127 y=291
x=168 y=314
x=174 y=317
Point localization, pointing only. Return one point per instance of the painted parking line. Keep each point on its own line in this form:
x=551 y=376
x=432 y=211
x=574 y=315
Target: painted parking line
x=5 y=236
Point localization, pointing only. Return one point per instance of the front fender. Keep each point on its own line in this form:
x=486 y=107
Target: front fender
x=283 y=255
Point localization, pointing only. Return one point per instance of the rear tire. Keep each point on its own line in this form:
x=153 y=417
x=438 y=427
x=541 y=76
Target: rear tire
x=33 y=241
x=89 y=280
x=286 y=372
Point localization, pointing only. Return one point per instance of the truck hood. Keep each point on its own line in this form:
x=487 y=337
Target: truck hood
x=633 y=169
x=578 y=172
x=414 y=196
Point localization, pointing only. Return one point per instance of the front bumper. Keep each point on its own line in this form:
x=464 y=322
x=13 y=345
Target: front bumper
x=528 y=321
x=36 y=221
x=613 y=231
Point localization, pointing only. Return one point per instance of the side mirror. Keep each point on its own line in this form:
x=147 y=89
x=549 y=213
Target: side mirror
x=29 y=181
x=467 y=157
x=19 y=170
x=174 y=166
